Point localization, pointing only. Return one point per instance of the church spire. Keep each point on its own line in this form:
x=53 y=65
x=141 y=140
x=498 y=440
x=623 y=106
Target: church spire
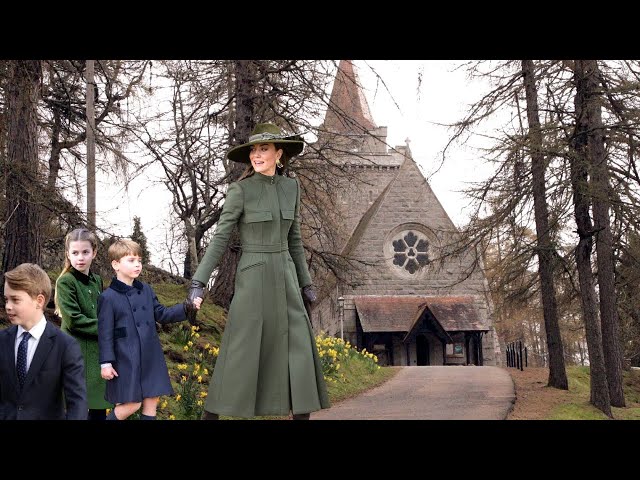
x=348 y=111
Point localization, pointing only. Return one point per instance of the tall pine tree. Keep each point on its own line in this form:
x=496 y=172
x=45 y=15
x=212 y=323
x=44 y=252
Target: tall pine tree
x=139 y=237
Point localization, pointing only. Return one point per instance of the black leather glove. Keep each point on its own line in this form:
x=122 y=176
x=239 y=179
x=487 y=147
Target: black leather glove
x=310 y=293
x=196 y=290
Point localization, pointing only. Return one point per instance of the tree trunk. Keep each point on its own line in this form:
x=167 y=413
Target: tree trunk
x=22 y=242
x=635 y=359
x=54 y=169
x=599 y=387
x=538 y=341
x=600 y=190
x=91 y=146
x=191 y=258
x=557 y=372
x=245 y=76
x=3 y=137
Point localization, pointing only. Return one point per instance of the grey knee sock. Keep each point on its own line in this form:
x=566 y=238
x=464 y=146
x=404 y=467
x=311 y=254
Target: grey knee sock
x=112 y=415
x=147 y=417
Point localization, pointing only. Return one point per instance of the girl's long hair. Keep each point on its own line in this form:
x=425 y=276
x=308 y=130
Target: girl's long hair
x=77 y=235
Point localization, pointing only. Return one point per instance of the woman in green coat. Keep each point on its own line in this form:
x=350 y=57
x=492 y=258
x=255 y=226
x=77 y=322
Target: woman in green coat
x=76 y=298
x=268 y=362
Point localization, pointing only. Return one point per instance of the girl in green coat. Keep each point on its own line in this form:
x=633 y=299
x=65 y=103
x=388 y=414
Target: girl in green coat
x=268 y=362
x=76 y=298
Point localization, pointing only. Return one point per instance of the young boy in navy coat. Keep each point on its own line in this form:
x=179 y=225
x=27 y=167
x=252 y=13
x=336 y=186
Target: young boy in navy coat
x=38 y=362
x=131 y=356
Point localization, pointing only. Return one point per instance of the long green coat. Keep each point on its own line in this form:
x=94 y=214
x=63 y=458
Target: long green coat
x=268 y=362
x=77 y=296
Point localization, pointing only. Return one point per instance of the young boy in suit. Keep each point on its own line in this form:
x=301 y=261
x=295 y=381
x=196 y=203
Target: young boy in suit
x=38 y=362
x=131 y=356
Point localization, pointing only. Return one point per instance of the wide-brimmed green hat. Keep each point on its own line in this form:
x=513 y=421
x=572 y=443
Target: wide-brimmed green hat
x=267 y=133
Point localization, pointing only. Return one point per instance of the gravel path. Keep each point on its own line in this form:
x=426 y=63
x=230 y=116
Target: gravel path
x=432 y=393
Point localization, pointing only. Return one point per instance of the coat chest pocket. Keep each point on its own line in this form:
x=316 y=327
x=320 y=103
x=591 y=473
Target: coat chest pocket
x=257 y=216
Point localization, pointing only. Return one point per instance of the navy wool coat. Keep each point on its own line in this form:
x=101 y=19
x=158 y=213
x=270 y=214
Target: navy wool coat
x=127 y=339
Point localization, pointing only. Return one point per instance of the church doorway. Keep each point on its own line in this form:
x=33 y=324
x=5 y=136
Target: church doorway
x=422 y=350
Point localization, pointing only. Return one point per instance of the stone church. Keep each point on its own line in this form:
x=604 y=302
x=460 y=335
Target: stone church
x=411 y=305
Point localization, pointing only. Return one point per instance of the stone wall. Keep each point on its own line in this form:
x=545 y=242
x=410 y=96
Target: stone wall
x=390 y=199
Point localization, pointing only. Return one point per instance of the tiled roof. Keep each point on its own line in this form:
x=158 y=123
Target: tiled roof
x=456 y=313
x=347 y=98
x=399 y=313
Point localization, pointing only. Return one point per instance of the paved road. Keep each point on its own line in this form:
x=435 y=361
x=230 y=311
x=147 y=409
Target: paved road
x=432 y=393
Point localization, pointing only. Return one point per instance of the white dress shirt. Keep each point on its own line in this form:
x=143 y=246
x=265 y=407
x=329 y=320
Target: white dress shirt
x=36 y=333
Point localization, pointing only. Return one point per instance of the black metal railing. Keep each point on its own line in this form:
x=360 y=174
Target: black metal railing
x=517 y=355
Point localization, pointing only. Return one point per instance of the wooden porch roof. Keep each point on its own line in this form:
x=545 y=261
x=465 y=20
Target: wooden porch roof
x=402 y=313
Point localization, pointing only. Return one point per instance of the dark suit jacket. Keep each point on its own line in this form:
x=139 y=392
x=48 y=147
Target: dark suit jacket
x=57 y=367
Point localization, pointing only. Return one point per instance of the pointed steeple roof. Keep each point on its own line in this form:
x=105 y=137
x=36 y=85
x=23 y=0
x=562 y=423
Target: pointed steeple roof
x=348 y=110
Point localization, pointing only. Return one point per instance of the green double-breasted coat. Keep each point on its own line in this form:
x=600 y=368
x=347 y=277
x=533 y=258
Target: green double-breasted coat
x=77 y=298
x=268 y=362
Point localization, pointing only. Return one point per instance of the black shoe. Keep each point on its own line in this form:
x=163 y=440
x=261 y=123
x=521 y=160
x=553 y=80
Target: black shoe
x=209 y=416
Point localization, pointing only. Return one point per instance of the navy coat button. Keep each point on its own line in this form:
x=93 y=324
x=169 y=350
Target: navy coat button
x=139 y=292
x=143 y=308
x=134 y=309
x=138 y=324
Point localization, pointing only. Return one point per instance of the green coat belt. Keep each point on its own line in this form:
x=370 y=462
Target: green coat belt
x=268 y=362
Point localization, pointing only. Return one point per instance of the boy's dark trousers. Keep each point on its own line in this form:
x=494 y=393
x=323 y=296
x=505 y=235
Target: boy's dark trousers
x=97 y=414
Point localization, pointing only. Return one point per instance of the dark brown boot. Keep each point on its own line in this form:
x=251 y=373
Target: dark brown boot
x=301 y=416
x=209 y=416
